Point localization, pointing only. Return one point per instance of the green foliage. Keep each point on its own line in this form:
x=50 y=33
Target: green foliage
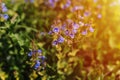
x=94 y=56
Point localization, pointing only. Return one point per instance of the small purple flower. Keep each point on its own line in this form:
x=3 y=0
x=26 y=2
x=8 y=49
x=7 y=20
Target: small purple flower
x=63 y=26
x=91 y=29
x=42 y=57
x=55 y=30
x=72 y=35
x=35 y=51
x=39 y=59
x=60 y=39
x=30 y=54
x=54 y=42
x=75 y=26
x=51 y=3
x=4 y=8
x=66 y=32
x=74 y=31
x=68 y=3
x=77 y=8
x=39 y=51
x=37 y=64
x=5 y=16
x=84 y=32
x=50 y=32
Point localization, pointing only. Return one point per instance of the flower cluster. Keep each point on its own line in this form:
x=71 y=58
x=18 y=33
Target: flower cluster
x=38 y=59
x=62 y=4
x=69 y=29
x=4 y=10
x=79 y=9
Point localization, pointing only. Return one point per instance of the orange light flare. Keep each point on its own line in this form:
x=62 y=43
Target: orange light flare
x=107 y=31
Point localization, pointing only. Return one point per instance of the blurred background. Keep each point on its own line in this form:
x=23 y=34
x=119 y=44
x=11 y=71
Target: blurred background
x=30 y=27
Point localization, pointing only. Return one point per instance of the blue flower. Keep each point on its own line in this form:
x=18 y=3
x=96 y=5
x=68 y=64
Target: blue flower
x=35 y=51
x=68 y=3
x=74 y=31
x=54 y=42
x=37 y=64
x=84 y=32
x=4 y=8
x=63 y=26
x=5 y=16
x=72 y=35
x=39 y=51
x=51 y=3
x=30 y=54
x=66 y=32
x=60 y=39
x=55 y=30
x=42 y=57
x=50 y=32
x=75 y=26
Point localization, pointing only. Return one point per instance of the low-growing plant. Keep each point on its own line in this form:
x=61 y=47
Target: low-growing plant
x=59 y=39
